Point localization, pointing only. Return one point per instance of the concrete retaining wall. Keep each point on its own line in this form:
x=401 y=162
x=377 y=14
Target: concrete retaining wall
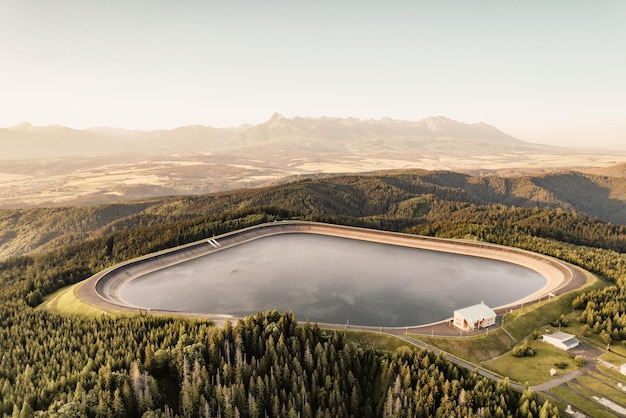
x=103 y=288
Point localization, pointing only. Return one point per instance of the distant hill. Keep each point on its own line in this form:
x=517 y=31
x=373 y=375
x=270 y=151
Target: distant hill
x=408 y=196
x=54 y=165
x=25 y=141
x=618 y=170
x=355 y=136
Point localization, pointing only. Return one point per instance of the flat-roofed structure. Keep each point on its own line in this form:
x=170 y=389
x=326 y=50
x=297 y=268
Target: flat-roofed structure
x=474 y=317
x=561 y=340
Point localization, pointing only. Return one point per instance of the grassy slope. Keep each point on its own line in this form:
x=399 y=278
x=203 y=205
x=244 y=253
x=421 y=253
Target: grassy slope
x=491 y=349
x=532 y=370
x=65 y=301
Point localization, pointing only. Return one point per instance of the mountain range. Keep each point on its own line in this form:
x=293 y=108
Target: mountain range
x=56 y=165
x=336 y=134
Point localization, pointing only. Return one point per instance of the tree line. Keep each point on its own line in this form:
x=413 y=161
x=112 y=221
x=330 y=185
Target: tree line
x=399 y=195
x=264 y=365
x=267 y=364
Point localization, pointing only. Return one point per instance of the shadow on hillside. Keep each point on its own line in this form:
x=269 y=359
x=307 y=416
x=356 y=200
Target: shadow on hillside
x=585 y=195
x=575 y=192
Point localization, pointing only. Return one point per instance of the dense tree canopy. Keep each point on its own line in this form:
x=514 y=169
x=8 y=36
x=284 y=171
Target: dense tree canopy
x=143 y=365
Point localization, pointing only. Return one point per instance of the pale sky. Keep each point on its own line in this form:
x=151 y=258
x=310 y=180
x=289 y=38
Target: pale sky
x=543 y=71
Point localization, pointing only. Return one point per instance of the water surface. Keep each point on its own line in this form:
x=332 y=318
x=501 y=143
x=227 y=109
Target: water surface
x=333 y=280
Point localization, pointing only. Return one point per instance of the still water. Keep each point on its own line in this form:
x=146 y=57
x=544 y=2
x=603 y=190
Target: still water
x=333 y=280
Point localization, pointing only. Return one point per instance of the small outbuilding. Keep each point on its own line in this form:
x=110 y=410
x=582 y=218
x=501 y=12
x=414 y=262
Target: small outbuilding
x=474 y=317
x=561 y=340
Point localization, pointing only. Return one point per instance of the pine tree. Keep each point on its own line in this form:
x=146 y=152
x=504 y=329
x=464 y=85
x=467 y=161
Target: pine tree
x=26 y=411
x=119 y=410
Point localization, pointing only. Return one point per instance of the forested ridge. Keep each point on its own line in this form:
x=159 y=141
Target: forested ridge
x=392 y=194
x=267 y=364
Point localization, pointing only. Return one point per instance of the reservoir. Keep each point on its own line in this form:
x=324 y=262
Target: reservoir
x=332 y=280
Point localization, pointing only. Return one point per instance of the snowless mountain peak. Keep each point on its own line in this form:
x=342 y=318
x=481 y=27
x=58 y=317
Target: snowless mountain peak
x=313 y=134
x=276 y=117
x=24 y=126
x=438 y=123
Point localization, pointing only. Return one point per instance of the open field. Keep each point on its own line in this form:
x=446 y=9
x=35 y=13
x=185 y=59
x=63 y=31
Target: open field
x=532 y=370
x=593 y=389
x=379 y=341
x=596 y=393
x=473 y=349
x=92 y=180
x=486 y=349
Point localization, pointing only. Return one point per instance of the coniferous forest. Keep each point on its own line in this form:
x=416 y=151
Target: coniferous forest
x=269 y=364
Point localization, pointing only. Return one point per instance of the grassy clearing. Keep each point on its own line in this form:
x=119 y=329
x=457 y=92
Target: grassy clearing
x=584 y=390
x=65 y=301
x=606 y=387
x=519 y=324
x=618 y=349
x=601 y=383
x=589 y=393
x=609 y=378
x=476 y=350
x=473 y=349
x=384 y=342
x=532 y=370
x=491 y=350
x=522 y=322
x=612 y=373
x=617 y=353
x=578 y=402
x=613 y=358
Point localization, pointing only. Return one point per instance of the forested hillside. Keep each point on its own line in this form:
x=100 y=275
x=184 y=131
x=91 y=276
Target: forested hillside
x=410 y=195
x=262 y=366
x=144 y=365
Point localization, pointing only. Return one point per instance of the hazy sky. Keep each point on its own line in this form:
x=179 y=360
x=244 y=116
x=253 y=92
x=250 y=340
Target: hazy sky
x=543 y=71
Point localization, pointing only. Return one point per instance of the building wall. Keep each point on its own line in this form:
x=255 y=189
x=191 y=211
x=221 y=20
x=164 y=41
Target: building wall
x=554 y=342
x=488 y=322
x=462 y=323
